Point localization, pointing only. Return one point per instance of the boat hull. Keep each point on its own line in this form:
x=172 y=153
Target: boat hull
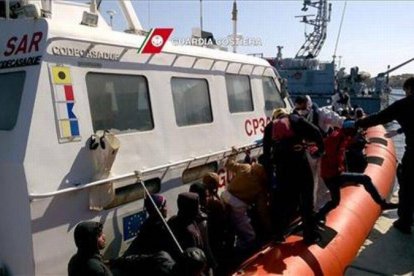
x=353 y=220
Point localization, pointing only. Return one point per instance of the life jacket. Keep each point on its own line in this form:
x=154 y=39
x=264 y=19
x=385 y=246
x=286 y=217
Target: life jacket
x=282 y=129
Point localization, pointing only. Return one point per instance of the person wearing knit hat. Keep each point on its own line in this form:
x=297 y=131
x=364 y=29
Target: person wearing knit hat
x=161 y=203
x=153 y=236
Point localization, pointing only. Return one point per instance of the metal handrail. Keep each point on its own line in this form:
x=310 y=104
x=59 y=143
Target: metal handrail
x=133 y=174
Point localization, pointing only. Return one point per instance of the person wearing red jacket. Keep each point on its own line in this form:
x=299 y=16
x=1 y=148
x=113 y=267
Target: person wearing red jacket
x=334 y=174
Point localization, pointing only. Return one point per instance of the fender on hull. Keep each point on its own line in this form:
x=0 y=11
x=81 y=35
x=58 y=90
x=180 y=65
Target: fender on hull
x=353 y=219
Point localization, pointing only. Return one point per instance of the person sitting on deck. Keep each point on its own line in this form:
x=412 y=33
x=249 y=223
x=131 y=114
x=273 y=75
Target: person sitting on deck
x=89 y=240
x=333 y=170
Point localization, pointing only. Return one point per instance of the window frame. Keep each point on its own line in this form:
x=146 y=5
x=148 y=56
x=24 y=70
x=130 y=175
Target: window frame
x=150 y=107
x=16 y=118
x=208 y=97
x=277 y=91
x=250 y=89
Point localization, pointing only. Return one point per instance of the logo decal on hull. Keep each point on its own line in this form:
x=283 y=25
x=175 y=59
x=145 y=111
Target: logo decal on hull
x=155 y=41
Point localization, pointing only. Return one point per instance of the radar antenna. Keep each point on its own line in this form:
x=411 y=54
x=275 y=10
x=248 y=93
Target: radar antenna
x=314 y=41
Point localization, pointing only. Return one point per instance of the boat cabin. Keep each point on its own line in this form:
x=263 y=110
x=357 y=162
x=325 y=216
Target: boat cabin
x=65 y=75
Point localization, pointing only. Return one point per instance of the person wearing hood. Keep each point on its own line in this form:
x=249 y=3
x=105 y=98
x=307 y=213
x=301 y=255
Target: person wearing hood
x=202 y=221
x=184 y=224
x=89 y=239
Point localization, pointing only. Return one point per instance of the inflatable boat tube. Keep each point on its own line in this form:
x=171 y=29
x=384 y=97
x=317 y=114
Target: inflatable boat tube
x=353 y=220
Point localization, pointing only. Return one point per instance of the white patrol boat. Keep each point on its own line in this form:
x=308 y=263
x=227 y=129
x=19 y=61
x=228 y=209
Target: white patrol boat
x=64 y=76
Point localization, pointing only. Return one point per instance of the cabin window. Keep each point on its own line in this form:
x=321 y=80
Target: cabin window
x=191 y=101
x=11 y=88
x=271 y=94
x=119 y=103
x=197 y=173
x=133 y=192
x=239 y=93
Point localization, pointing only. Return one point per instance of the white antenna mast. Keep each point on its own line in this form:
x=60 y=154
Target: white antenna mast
x=201 y=15
x=234 y=19
x=134 y=25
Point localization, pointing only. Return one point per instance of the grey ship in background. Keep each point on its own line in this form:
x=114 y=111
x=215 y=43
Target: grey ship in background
x=306 y=75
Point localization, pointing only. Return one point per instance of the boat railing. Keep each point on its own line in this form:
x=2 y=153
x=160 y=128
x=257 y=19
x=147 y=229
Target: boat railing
x=225 y=153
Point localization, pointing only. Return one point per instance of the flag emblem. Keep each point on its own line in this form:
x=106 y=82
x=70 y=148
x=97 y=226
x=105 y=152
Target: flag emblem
x=132 y=224
x=65 y=107
x=155 y=41
x=61 y=75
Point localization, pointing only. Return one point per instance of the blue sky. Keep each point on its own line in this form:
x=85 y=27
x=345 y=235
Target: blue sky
x=374 y=33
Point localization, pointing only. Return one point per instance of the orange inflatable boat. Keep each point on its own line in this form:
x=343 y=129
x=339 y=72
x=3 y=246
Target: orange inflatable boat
x=353 y=220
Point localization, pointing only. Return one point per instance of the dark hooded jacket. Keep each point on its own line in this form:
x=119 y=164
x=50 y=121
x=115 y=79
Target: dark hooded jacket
x=87 y=261
x=184 y=224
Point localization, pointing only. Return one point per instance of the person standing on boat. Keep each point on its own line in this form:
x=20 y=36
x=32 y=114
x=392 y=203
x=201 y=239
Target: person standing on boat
x=294 y=178
x=322 y=117
x=89 y=240
x=153 y=236
x=247 y=187
x=221 y=236
x=334 y=174
x=184 y=224
x=325 y=120
x=401 y=111
x=341 y=100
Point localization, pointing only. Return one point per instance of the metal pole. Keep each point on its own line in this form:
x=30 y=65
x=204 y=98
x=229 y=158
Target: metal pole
x=7 y=8
x=234 y=19
x=137 y=174
x=201 y=16
x=149 y=14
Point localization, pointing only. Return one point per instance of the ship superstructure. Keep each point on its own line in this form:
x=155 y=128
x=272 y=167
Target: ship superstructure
x=65 y=75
